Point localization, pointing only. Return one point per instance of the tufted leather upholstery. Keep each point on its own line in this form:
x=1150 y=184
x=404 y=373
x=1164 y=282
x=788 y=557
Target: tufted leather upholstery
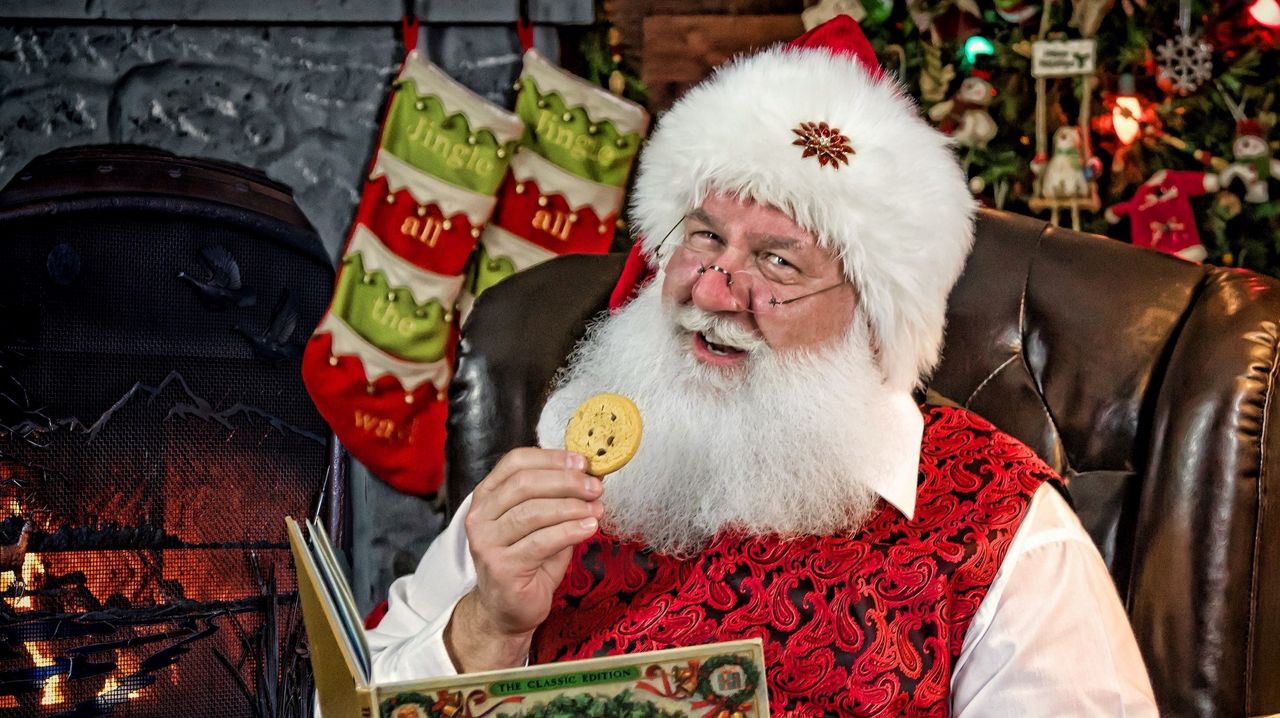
x=1144 y=380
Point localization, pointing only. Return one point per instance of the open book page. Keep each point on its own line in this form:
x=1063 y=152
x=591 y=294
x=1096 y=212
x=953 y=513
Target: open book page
x=341 y=588
x=319 y=571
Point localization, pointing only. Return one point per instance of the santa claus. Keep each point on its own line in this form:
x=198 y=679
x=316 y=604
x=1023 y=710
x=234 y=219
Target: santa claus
x=804 y=226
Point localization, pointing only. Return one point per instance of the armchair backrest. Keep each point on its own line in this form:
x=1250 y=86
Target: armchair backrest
x=1144 y=380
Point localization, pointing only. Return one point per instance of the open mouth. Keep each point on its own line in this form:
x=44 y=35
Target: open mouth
x=723 y=350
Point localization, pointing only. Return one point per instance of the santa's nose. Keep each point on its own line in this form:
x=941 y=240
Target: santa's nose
x=715 y=290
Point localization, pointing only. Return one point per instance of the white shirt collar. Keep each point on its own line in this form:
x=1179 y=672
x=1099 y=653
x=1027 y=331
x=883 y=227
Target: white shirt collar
x=899 y=431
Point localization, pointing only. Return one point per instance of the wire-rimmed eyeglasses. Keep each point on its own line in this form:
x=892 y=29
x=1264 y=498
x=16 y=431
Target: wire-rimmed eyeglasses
x=747 y=279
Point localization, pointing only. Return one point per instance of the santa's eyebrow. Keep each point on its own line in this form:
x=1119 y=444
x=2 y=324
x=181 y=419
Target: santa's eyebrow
x=759 y=241
x=774 y=241
x=701 y=215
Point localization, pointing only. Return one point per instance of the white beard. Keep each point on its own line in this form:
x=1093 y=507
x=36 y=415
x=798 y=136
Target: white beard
x=792 y=445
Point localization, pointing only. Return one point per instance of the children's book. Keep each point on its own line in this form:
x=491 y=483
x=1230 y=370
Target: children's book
x=717 y=680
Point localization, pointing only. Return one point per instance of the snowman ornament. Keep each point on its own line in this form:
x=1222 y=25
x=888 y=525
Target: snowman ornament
x=1064 y=175
x=1254 y=164
x=965 y=116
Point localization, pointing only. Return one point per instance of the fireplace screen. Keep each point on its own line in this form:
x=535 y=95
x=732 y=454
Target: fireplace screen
x=154 y=432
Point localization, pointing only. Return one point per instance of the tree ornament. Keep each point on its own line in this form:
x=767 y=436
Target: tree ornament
x=605 y=64
x=1127 y=114
x=1227 y=205
x=1254 y=163
x=1016 y=11
x=866 y=13
x=952 y=21
x=1063 y=175
x=877 y=11
x=617 y=81
x=1064 y=180
x=1265 y=12
x=828 y=9
x=965 y=116
x=959 y=21
x=1132 y=6
x=1185 y=62
x=976 y=48
x=1087 y=15
x=935 y=77
x=1160 y=213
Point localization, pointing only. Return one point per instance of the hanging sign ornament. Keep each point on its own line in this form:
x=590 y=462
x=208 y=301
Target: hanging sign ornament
x=1184 y=63
x=1064 y=58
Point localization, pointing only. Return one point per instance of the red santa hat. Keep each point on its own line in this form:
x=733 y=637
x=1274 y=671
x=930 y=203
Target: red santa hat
x=818 y=130
x=1250 y=128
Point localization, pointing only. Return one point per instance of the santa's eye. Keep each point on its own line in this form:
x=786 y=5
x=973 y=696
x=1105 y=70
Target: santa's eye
x=777 y=268
x=702 y=240
x=774 y=260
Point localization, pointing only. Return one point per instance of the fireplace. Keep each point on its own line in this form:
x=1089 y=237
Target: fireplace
x=154 y=431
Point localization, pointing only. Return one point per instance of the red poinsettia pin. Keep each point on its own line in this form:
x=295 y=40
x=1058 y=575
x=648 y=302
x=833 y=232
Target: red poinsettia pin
x=825 y=142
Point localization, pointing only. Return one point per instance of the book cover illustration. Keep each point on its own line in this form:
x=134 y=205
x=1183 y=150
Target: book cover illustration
x=717 y=680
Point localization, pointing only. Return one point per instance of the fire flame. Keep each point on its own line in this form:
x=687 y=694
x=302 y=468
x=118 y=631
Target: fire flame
x=32 y=575
x=7 y=579
x=33 y=571
x=127 y=666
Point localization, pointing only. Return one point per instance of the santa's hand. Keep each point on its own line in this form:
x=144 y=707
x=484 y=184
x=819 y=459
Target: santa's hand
x=525 y=518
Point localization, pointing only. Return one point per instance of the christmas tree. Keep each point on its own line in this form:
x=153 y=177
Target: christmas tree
x=1166 y=125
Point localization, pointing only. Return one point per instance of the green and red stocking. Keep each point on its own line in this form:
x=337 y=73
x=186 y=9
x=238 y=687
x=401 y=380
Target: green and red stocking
x=379 y=364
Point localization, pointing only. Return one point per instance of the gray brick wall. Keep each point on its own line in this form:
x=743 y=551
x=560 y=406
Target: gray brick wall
x=301 y=102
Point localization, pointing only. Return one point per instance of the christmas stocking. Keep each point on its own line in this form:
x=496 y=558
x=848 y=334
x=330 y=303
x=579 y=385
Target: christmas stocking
x=1160 y=213
x=379 y=363
x=565 y=187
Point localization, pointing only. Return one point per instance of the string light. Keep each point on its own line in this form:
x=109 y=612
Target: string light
x=1266 y=12
x=978 y=45
x=1126 y=115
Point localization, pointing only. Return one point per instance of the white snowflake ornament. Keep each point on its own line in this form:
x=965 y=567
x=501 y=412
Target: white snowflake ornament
x=1185 y=63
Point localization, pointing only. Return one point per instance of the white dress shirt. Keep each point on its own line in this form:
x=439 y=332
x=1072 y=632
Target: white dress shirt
x=1049 y=639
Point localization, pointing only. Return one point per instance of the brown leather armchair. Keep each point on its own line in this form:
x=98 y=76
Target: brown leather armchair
x=1144 y=380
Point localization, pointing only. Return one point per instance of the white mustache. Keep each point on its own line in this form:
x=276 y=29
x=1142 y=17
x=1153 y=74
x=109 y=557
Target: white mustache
x=718 y=329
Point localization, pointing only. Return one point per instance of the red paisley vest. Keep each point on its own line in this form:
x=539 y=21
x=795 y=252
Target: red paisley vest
x=865 y=626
